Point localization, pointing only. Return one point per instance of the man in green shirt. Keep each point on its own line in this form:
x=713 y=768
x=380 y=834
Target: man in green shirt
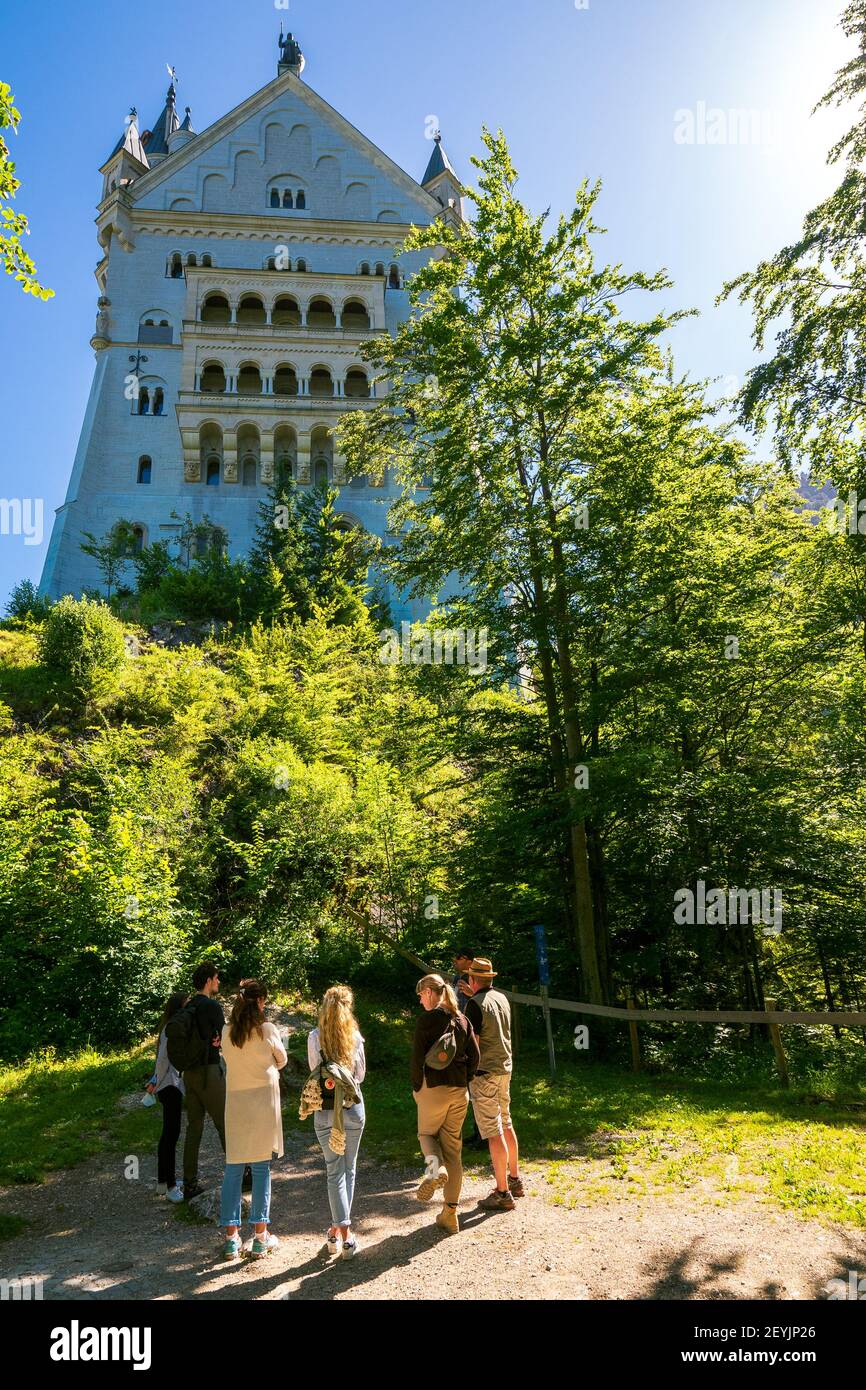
x=489 y=1013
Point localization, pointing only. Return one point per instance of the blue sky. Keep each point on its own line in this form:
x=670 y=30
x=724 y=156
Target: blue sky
x=580 y=92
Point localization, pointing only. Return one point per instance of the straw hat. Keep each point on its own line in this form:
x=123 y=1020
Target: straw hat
x=482 y=968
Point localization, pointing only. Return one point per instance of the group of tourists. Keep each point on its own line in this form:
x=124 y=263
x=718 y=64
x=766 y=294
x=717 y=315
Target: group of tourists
x=230 y=1071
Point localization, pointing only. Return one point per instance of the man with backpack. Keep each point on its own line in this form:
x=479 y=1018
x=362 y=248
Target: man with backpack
x=193 y=1038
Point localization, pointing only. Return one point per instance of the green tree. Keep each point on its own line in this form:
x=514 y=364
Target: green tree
x=497 y=390
x=13 y=225
x=812 y=391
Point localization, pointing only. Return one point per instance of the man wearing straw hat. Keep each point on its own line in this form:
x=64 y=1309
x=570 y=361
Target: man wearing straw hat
x=490 y=1089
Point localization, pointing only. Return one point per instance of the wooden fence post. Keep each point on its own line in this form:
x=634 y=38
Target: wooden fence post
x=778 y=1048
x=635 y=1043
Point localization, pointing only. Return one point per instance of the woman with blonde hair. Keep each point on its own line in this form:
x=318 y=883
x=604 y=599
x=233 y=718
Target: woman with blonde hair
x=445 y=1058
x=338 y=1040
x=253 y=1054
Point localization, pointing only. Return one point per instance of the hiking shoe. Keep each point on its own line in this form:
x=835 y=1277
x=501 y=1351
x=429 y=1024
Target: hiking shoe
x=435 y=1177
x=195 y=1189
x=350 y=1248
x=263 y=1245
x=334 y=1243
x=447 y=1219
x=515 y=1187
x=497 y=1201
x=175 y=1194
x=232 y=1248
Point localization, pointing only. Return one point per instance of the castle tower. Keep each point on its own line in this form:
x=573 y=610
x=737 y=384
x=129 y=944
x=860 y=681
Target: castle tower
x=242 y=270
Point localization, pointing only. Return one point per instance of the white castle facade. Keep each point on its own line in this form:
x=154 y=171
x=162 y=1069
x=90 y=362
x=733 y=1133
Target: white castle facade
x=242 y=270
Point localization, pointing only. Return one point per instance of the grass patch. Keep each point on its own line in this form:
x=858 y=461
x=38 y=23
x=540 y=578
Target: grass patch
x=56 y=1111
x=11 y=1226
x=598 y=1133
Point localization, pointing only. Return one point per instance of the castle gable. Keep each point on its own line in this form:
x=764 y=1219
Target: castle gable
x=285 y=152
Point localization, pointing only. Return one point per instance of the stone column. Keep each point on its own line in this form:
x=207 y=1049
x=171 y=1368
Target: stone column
x=267 y=456
x=303 y=458
x=191 y=456
x=230 y=456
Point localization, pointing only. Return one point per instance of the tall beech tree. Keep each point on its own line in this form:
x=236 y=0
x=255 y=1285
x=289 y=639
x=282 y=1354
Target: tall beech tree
x=497 y=386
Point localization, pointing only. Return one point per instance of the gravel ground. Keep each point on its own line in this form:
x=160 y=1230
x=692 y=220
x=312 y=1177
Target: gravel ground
x=94 y=1234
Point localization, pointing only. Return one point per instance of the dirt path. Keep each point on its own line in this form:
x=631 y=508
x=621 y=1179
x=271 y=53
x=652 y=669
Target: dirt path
x=94 y=1234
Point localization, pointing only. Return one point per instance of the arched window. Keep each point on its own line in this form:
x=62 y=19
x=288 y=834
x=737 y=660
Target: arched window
x=301 y=267
x=137 y=539
x=249 y=473
x=355 y=316
x=285 y=381
x=143 y=400
x=212 y=473
x=356 y=384
x=321 y=315
x=190 y=260
x=175 y=266
x=144 y=469
x=275 y=197
x=216 y=309
x=207 y=260
x=394 y=278
x=155 y=327
x=320 y=474
x=271 y=263
x=285 y=312
x=380 y=269
x=249 y=380
x=365 y=268
x=213 y=377
x=302 y=199
x=287 y=198
x=158 y=399
x=251 y=310
x=321 y=383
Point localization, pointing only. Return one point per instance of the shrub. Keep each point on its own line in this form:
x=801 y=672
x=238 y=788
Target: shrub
x=81 y=643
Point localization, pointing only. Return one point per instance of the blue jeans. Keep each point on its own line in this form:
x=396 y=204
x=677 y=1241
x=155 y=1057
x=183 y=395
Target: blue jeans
x=230 y=1197
x=341 y=1167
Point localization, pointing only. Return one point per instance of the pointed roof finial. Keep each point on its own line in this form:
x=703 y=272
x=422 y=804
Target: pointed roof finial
x=439 y=162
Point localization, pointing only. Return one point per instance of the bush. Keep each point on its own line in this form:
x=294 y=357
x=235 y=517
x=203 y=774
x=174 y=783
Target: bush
x=81 y=643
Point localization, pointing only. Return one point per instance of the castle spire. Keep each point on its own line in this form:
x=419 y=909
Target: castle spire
x=440 y=178
x=156 y=140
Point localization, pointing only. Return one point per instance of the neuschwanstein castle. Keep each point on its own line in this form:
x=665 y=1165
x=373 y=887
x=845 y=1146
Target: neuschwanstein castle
x=242 y=269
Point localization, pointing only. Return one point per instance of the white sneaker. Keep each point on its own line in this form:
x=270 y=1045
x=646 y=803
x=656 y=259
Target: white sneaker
x=435 y=1176
x=350 y=1248
x=334 y=1243
x=175 y=1194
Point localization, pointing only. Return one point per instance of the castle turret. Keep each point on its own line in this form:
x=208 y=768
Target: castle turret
x=156 y=140
x=183 y=134
x=440 y=179
x=127 y=161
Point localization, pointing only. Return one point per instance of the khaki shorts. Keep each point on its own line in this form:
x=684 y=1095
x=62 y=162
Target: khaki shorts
x=491 y=1102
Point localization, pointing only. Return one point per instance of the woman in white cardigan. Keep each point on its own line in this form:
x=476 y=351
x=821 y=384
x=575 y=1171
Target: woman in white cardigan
x=253 y=1053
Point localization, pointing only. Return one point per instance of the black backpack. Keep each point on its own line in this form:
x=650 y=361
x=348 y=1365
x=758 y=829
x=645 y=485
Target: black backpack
x=183 y=1040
